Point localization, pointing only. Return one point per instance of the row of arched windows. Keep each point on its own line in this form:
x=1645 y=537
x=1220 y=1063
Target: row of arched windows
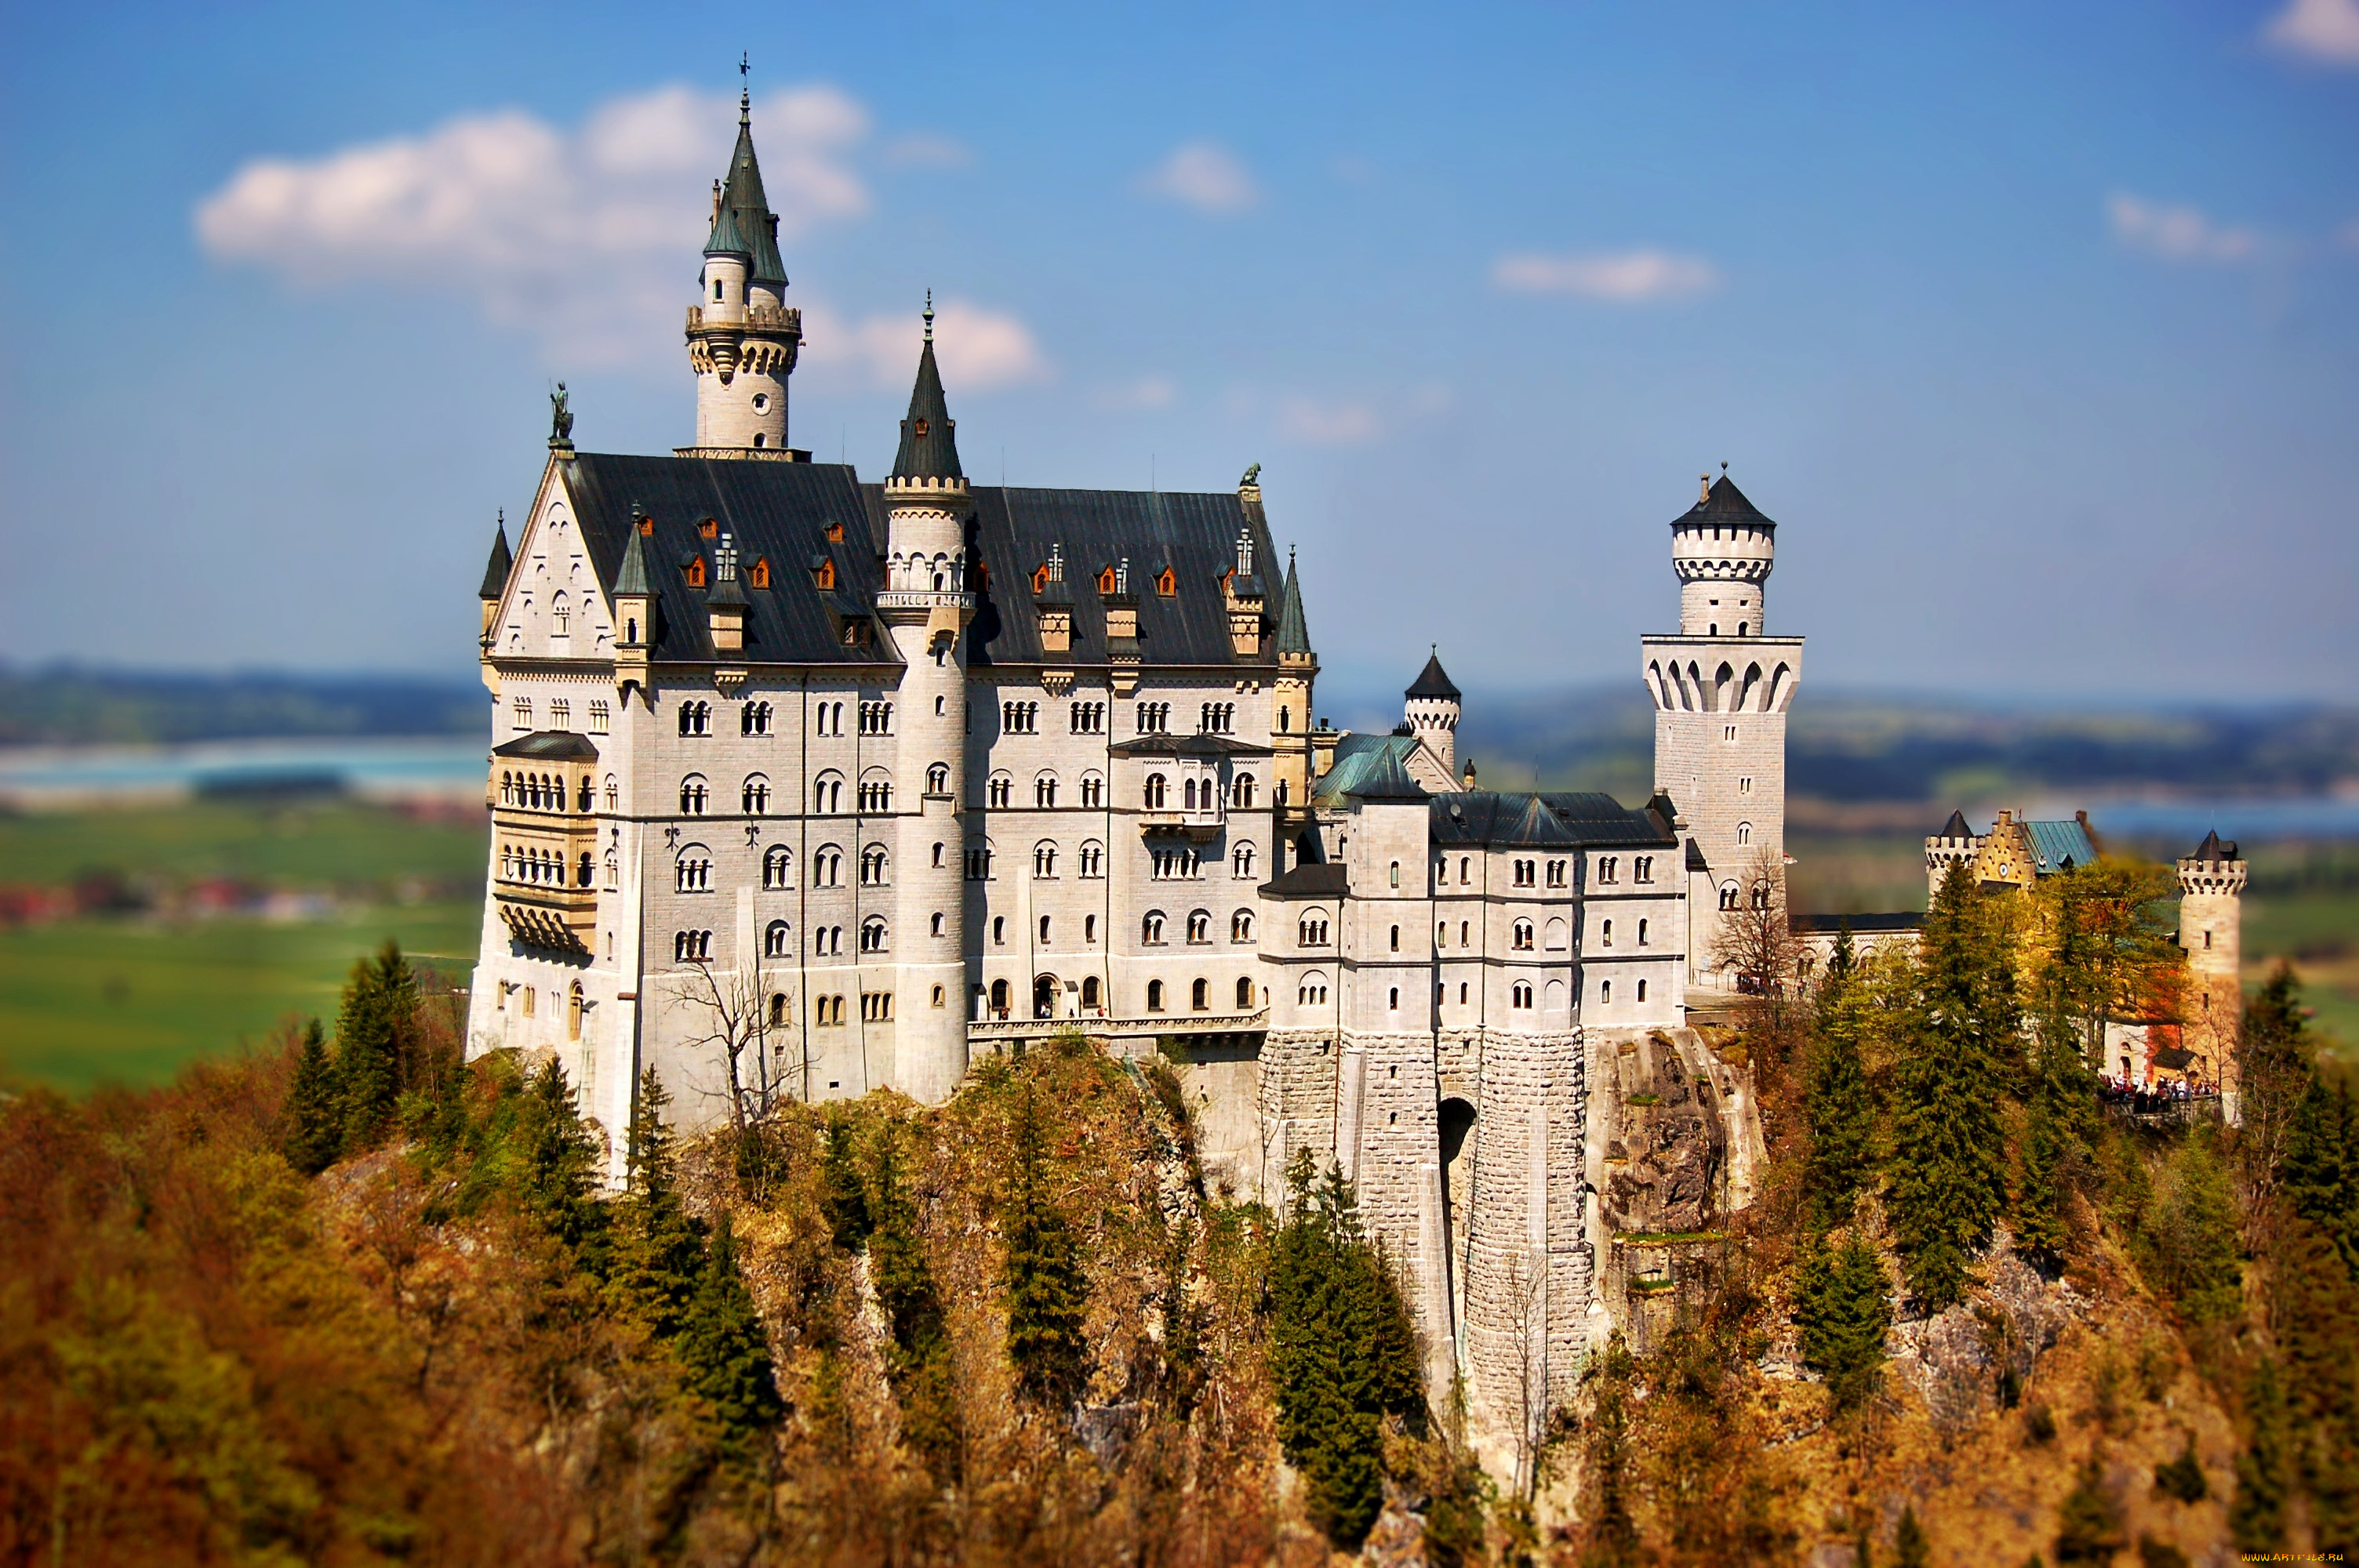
x=1198 y=927
x=541 y=867
x=546 y=792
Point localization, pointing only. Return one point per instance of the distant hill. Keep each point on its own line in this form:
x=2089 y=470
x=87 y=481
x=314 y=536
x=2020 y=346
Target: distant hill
x=68 y=705
x=1855 y=748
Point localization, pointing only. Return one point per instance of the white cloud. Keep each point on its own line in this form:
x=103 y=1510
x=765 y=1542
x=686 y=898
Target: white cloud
x=1622 y=276
x=2177 y=233
x=1344 y=423
x=923 y=149
x=1146 y=393
x=2323 y=29
x=1205 y=175
x=579 y=235
x=979 y=349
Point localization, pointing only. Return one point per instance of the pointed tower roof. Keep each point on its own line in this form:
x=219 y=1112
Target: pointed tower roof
x=1956 y=827
x=2214 y=848
x=1722 y=505
x=633 y=577
x=743 y=224
x=1293 y=632
x=929 y=443
x=1433 y=681
x=495 y=572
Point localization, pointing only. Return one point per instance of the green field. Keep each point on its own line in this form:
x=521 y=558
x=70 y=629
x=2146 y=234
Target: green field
x=130 y=1000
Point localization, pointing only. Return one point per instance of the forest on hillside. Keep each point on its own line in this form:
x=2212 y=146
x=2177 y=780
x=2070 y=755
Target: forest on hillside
x=350 y=1299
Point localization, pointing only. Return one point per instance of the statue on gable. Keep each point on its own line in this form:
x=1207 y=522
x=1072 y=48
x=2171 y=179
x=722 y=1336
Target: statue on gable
x=561 y=419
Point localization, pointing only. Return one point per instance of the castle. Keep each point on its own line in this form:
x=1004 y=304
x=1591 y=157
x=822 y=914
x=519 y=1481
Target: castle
x=804 y=786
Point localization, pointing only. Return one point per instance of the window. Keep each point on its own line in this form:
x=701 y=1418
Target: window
x=875 y=867
x=938 y=924
x=1089 y=929
x=1605 y=935
x=692 y=872
x=978 y=863
x=775 y=939
x=1200 y=926
x=1154 y=718
x=938 y=778
x=1519 y=995
x=1093 y=791
x=1609 y=869
x=1155 y=996
x=600 y=716
x=1465 y=870
x=998 y=791
x=1312 y=931
x=1605 y=991
x=1642 y=870
x=586 y=872
x=876 y=1007
x=1642 y=933
x=1312 y=990
x=1520 y=936
x=871 y=934
x=1151 y=929
x=1642 y=990
x=561 y=715
x=1167 y=582
x=1088 y=718
x=1744 y=833
x=1442 y=934
x=1392 y=998
x=1093 y=858
x=520 y=714
x=1728 y=732
x=1527 y=873
x=687 y=947
x=755 y=796
x=1153 y=792
x=696 y=719
x=999 y=931
x=1728 y=895
x=1744 y=785
x=1044 y=791
x=876 y=718
x=754 y=719
x=614 y=870
x=1556 y=873
x=1089 y=993
x=613 y=794
x=827 y=795
x=1245 y=994
x=779 y=1013
x=1044 y=931
x=827 y=867
x=1395 y=942
x=1216 y=718
x=1241 y=861
x=1760 y=895
x=1462 y=993
x=1044 y=859
x=1241 y=926
x=1019 y=718
x=1174 y=864
x=827 y=718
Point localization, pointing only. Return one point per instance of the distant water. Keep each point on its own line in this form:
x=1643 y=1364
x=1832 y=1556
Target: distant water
x=2247 y=821
x=383 y=769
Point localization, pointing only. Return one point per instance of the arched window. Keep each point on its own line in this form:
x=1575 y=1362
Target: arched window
x=1188 y=794
x=1642 y=933
x=875 y=867
x=939 y=920
x=1465 y=874
x=871 y=934
x=1155 y=996
x=778 y=1017
x=695 y=717
x=1200 y=925
x=998 y=791
x=778 y=867
x=614 y=869
x=1093 y=858
x=827 y=795
x=1151 y=929
x=613 y=794
x=692 y=872
x=692 y=946
x=1312 y=931
x=1241 y=926
x=938 y=778
x=1093 y=791
x=877 y=792
x=1396 y=873
x=1642 y=990
x=1744 y=833
x=756 y=795
x=1728 y=895
x=1090 y=992
x=1312 y=990
x=1154 y=791
x=1044 y=859
x=1760 y=895
x=1241 y=794
x=694 y=795
x=1605 y=991
x=776 y=939
x=827 y=867
x=1245 y=994
x=999 y=998
x=1520 y=936
x=586 y=873
x=1044 y=791
x=754 y=719
x=1241 y=861
x=1605 y=934
x=1395 y=940
x=1200 y=996
x=1519 y=995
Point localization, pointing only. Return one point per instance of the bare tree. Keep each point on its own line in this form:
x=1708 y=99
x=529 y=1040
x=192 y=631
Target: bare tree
x=1756 y=940
x=753 y=1029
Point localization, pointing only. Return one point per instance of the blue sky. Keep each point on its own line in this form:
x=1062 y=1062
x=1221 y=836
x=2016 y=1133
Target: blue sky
x=2036 y=326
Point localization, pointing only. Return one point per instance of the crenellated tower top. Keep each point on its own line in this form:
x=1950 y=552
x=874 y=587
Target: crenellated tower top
x=1723 y=548
x=742 y=337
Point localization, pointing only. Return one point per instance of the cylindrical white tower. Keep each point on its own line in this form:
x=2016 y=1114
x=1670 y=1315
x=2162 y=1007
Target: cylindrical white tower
x=1723 y=559
x=742 y=337
x=926 y=608
x=1430 y=705
x=2210 y=919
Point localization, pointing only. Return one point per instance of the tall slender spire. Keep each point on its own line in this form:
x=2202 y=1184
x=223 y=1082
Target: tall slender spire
x=1293 y=632
x=495 y=571
x=929 y=443
x=742 y=224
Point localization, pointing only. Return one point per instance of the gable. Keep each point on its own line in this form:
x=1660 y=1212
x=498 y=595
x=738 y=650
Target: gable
x=555 y=605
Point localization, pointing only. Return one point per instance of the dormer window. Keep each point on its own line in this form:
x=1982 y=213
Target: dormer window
x=708 y=529
x=1167 y=582
x=1040 y=578
x=758 y=574
x=694 y=572
x=918 y=429
x=823 y=573
x=835 y=532
x=1105 y=580
x=647 y=526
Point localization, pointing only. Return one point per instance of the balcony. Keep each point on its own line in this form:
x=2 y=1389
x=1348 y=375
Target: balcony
x=1191 y=1025
x=1202 y=824
x=561 y=920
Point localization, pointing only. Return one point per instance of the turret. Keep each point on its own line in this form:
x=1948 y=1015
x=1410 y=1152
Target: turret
x=635 y=611
x=1954 y=845
x=1431 y=710
x=1722 y=549
x=1291 y=694
x=742 y=337
x=496 y=578
x=2211 y=913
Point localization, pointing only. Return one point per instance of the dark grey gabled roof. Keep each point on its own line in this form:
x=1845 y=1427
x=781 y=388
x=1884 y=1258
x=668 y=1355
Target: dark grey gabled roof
x=1566 y=820
x=745 y=225
x=495 y=571
x=1293 y=632
x=1311 y=879
x=1187 y=746
x=1433 y=681
x=1723 y=506
x=929 y=437
x=549 y=746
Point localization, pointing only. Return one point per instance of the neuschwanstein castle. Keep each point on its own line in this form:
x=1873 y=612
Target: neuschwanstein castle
x=806 y=786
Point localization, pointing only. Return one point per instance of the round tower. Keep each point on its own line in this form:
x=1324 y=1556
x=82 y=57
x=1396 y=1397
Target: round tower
x=926 y=608
x=1430 y=707
x=2211 y=914
x=1723 y=553
x=741 y=336
x=1954 y=845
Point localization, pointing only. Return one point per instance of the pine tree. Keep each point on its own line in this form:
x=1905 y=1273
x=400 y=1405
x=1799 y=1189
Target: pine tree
x=2182 y=1478
x=917 y=1361
x=2088 y=1522
x=2060 y=1100
x=727 y=1353
x=314 y=1110
x=1948 y=1180
x=1047 y=1295
x=375 y=1034
x=2188 y=1240
x=1841 y=1109
x=2317 y=1317
x=1909 y=1547
x=2256 y=1516
x=556 y=1162
x=2321 y=1165
x=844 y=1195
x=658 y=1251
x=1844 y=1313
x=1613 y=1533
